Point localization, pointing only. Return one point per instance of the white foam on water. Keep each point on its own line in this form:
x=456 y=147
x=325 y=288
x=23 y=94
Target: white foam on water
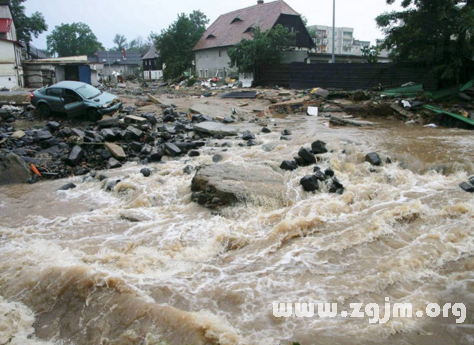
x=392 y=233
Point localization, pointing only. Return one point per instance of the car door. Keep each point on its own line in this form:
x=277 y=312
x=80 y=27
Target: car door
x=73 y=104
x=55 y=99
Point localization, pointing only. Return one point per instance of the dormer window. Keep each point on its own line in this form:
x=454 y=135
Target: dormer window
x=236 y=20
x=211 y=36
x=249 y=30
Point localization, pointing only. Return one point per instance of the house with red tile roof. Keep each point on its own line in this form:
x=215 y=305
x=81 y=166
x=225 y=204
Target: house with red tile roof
x=11 y=71
x=211 y=57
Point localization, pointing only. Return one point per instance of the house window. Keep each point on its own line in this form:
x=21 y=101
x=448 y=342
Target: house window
x=207 y=55
x=220 y=53
x=200 y=73
x=206 y=73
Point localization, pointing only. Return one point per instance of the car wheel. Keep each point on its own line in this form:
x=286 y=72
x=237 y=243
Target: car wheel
x=44 y=110
x=93 y=115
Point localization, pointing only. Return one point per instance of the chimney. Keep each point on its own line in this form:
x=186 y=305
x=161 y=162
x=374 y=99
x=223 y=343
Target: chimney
x=259 y=2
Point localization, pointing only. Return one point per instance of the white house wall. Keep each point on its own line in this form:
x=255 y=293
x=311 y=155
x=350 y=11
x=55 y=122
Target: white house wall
x=210 y=61
x=8 y=72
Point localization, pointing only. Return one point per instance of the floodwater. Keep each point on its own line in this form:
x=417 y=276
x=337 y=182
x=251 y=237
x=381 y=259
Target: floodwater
x=145 y=265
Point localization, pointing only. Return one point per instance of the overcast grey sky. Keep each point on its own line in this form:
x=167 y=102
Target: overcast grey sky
x=134 y=18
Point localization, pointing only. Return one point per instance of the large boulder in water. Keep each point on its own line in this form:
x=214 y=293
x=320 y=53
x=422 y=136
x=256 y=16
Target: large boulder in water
x=14 y=170
x=240 y=183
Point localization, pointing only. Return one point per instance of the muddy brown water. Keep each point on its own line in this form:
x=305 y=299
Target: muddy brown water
x=75 y=270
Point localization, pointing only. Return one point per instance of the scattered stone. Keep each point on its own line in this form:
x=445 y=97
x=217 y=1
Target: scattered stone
x=247 y=135
x=133 y=133
x=288 y=165
x=17 y=135
x=329 y=172
x=53 y=125
x=252 y=143
x=116 y=150
x=68 y=186
x=146 y=172
x=285 y=138
x=320 y=175
x=215 y=128
x=374 y=159
x=172 y=149
x=319 y=147
x=189 y=169
x=286 y=132
x=155 y=155
x=266 y=130
x=77 y=132
x=113 y=164
x=136 y=120
x=310 y=183
x=13 y=169
x=108 y=135
x=108 y=122
x=43 y=135
x=75 y=156
x=217 y=158
x=467 y=187
x=194 y=154
x=334 y=186
x=169 y=118
x=307 y=155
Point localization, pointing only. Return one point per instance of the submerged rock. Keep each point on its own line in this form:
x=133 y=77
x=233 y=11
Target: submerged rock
x=374 y=159
x=236 y=183
x=307 y=155
x=319 y=147
x=310 y=183
x=68 y=186
x=146 y=172
x=467 y=187
x=247 y=135
x=289 y=165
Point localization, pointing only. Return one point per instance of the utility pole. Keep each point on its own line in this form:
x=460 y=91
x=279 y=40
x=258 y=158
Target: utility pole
x=333 y=31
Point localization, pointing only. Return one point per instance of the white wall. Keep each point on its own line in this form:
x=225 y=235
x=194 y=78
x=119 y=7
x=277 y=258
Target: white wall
x=152 y=75
x=8 y=72
x=210 y=61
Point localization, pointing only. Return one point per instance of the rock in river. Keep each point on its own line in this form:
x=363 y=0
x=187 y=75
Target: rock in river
x=310 y=183
x=373 y=158
x=14 y=170
x=215 y=128
x=235 y=183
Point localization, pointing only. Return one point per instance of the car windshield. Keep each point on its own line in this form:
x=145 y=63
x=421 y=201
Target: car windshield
x=88 y=91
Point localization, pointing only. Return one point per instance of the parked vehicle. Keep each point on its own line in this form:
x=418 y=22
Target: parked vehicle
x=75 y=99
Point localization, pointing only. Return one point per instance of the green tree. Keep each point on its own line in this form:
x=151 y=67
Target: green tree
x=138 y=45
x=371 y=53
x=73 y=39
x=264 y=48
x=437 y=33
x=120 y=42
x=176 y=43
x=26 y=27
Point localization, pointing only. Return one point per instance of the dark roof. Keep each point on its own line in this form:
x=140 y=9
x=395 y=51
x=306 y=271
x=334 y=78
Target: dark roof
x=230 y=28
x=152 y=54
x=34 y=52
x=116 y=58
